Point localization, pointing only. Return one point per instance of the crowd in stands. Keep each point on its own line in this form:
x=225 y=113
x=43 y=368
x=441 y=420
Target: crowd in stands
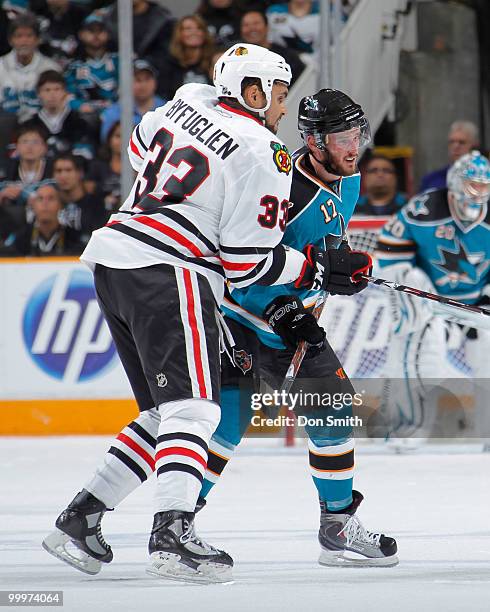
x=60 y=136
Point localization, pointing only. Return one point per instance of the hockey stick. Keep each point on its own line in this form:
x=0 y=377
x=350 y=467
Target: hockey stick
x=301 y=349
x=458 y=311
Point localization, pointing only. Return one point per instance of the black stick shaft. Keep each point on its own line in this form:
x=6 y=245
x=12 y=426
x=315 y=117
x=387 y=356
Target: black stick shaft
x=425 y=294
x=298 y=356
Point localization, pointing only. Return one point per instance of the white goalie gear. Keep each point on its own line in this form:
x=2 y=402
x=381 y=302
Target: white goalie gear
x=409 y=313
x=415 y=371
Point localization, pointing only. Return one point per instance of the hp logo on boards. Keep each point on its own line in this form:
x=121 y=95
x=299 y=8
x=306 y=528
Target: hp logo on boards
x=64 y=330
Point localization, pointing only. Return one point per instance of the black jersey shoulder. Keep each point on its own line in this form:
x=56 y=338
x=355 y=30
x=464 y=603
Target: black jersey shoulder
x=428 y=207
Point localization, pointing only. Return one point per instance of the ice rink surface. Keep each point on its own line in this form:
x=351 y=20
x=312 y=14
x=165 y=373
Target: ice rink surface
x=265 y=514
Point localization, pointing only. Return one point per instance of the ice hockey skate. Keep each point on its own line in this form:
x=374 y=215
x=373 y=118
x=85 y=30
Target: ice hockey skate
x=78 y=539
x=345 y=542
x=402 y=446
x=177 y=553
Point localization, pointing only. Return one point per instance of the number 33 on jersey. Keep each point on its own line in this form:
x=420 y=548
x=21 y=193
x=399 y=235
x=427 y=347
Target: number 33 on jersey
x=212 y=193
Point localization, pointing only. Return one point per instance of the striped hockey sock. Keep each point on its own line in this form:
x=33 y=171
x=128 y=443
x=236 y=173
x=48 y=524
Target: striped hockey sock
x=332 y=469
x=182 y=452
x=128 y=462
x=218 y=457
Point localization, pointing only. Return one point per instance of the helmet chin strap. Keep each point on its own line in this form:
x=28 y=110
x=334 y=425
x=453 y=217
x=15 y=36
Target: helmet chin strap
x=259 y=111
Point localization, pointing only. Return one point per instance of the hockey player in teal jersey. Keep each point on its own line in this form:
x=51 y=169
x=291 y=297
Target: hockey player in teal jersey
x=439 y=242
x=324 y=192
x=446 y=232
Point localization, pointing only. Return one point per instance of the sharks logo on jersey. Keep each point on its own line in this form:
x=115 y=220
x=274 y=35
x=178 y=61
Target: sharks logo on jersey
x=460 y=266
x=418 y=205
x=425 y=234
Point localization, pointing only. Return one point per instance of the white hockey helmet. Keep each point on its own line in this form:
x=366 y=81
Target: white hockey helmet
x=245 y=60
x=468 y=183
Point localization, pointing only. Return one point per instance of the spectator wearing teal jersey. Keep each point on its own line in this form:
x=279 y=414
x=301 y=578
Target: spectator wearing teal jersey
x=92 y=80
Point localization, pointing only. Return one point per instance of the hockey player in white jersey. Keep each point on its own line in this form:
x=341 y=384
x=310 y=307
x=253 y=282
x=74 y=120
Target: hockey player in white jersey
x=209 y=203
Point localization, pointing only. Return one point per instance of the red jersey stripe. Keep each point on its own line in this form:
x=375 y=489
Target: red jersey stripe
x=137 y=449
x=134 y=148
x=229 y=265
x=171 y=233
x=237 y=111
x=180 y=450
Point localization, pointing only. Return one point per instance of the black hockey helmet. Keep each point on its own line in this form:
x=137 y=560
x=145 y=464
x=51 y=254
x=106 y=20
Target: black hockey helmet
x=330 y=111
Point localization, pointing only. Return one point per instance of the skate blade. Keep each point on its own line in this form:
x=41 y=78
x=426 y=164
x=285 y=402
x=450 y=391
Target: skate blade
x=168 y=565
x=330 y=558
x=404 y=446
x=55 y=544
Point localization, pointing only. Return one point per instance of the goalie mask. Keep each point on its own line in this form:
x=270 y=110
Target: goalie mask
x=468 y=183
x=244 y=60
x=338 y=125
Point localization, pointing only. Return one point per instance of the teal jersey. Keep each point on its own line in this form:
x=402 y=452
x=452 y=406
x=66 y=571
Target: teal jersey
x=318 y=215
x=426 y=233
x=93 y=81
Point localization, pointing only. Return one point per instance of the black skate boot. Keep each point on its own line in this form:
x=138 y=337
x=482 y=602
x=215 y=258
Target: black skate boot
x=346 y=542
x=80 y=525
x=177 y=553
x=201 y=502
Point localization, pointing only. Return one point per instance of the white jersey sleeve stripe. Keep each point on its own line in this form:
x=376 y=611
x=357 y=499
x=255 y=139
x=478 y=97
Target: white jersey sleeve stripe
x=140 y=140
x=171 y=233
x=134 y=148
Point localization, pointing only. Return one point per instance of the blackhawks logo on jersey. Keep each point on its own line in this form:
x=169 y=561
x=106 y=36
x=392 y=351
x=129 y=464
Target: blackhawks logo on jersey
x=281 y=157
x=243 y=360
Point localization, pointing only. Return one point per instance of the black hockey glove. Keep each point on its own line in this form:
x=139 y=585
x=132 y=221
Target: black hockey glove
x=336 y=270
x=484 y=299
x=290 y=320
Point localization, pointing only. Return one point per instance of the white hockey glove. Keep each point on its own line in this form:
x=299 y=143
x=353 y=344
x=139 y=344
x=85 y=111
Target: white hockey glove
x=469 y=322
x=472 y=320
x=409 y=313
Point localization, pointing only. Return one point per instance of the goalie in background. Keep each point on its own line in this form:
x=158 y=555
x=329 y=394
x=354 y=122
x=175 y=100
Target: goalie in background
x=438 y=242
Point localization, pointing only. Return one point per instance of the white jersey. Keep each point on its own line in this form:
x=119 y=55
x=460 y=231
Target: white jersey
x=18 y=83
x=212 y=195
